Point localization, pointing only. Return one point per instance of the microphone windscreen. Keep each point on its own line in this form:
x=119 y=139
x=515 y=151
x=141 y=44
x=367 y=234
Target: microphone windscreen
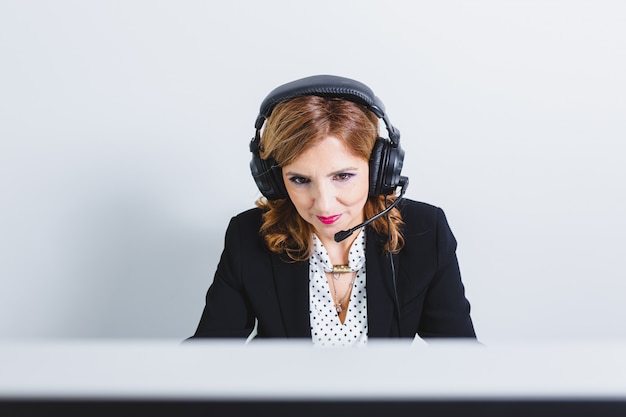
x=339 y=236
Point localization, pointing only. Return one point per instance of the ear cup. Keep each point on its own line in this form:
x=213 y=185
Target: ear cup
x=376 y=160
x=385 y=166
x=268 y=177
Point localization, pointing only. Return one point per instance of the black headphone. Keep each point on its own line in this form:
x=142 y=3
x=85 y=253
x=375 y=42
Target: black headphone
x=387 y=157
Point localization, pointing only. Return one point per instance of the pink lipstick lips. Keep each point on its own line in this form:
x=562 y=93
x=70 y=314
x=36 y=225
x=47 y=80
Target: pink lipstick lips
x=329 y=219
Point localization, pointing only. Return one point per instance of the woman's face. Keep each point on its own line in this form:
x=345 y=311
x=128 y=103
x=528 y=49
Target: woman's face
x=328 y=186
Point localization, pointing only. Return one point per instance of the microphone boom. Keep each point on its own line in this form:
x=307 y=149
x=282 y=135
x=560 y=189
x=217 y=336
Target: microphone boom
x=343 y=234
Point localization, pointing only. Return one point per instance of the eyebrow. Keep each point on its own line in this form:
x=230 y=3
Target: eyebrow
x=340 y=171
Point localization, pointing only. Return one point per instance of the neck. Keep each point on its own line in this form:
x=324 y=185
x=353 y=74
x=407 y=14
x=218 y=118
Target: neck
x=338 y=251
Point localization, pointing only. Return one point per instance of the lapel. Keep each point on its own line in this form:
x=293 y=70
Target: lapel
x=292 y=289
x=380 y=299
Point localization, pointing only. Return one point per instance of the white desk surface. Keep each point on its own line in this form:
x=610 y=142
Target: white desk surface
x=295 y=370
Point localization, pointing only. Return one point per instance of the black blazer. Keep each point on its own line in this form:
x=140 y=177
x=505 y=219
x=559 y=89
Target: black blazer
x=252 y=282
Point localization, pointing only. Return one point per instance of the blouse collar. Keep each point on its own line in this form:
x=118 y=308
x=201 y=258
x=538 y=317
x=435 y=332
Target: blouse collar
x=356 y=256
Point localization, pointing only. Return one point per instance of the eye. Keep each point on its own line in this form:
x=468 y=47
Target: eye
x=299 y=180
x=343 y=176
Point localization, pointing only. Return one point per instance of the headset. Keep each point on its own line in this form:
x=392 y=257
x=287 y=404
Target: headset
x=387 y=157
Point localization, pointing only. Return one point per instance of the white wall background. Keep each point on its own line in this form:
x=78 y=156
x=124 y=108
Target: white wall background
x=124 y=129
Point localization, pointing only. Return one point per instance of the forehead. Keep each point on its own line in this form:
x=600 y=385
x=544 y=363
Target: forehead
x=326 y=155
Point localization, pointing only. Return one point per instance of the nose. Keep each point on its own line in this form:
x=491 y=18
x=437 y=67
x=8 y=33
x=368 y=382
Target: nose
x=323 y=198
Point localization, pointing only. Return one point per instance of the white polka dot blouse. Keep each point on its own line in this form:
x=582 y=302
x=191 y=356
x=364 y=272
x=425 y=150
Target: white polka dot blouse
x=326 y=328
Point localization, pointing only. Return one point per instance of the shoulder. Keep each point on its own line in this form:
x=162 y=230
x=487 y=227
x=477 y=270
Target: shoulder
x=250 y=217
x=418 y=215
x=422 y=218
x=417 y=208
x=243 y=228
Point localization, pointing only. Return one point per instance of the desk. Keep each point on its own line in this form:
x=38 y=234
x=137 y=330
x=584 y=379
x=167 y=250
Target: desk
x=293 y=378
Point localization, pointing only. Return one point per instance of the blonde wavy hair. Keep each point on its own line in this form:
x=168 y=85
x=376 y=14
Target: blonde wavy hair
x=293 y=127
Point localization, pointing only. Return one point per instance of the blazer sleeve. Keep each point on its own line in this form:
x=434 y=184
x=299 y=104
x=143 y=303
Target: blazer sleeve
x=227 y=312
x=446 y=310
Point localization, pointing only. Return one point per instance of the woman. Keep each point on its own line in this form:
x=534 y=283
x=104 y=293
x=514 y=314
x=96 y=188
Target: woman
x=330 y=253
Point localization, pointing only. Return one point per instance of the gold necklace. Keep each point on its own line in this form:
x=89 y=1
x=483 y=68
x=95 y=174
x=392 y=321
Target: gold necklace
x=340 y=269
x=338 y=303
